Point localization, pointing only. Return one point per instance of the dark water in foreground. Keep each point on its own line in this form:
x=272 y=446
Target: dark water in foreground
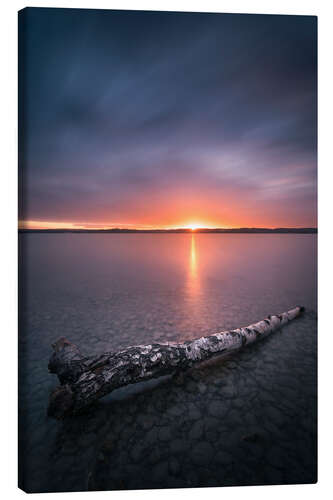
x=250 y=419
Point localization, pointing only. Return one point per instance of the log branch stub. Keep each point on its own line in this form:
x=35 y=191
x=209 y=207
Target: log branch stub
x=85 y=379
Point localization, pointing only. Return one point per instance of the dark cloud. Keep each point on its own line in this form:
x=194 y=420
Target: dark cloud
x=119 y=107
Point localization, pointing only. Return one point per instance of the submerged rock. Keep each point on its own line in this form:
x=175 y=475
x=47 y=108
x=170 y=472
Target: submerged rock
x=202 y=453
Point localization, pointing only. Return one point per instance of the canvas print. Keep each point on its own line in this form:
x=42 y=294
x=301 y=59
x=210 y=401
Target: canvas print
x=167 y=250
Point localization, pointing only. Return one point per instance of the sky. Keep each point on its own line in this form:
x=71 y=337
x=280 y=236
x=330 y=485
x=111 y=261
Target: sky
x=158 y=120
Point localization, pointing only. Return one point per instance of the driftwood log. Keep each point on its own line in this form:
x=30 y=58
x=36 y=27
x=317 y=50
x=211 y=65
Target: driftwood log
x=86 y=379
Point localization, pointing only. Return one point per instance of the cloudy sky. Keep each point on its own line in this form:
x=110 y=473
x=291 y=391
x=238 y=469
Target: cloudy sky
x=143 y=119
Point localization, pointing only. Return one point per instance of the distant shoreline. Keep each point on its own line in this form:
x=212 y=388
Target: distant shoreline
x=302 y=230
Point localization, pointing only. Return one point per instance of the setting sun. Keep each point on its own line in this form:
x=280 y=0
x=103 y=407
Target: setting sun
x=193 y=227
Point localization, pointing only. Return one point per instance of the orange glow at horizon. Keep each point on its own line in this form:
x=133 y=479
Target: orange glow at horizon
x=36 y=224
x=193 y=226
x=33 y=224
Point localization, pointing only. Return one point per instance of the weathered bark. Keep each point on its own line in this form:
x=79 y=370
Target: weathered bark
x=85 y=379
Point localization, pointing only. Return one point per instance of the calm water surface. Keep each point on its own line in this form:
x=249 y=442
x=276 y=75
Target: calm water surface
x=105 y=292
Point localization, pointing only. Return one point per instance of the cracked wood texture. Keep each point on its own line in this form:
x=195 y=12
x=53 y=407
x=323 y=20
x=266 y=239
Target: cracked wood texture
x=86 y=379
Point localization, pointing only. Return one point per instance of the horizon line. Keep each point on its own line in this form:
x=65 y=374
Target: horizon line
x=168 y=230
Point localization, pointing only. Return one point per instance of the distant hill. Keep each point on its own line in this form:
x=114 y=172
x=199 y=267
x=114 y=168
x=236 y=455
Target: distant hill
x=240 y=230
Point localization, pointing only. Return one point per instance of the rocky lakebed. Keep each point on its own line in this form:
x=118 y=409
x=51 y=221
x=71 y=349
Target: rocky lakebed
x=249 y=419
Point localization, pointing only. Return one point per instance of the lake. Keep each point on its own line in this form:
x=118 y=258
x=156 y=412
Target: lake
x=250 y=419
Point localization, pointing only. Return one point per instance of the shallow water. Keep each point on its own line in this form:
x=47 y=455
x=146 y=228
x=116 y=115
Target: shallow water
x=247 y=420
